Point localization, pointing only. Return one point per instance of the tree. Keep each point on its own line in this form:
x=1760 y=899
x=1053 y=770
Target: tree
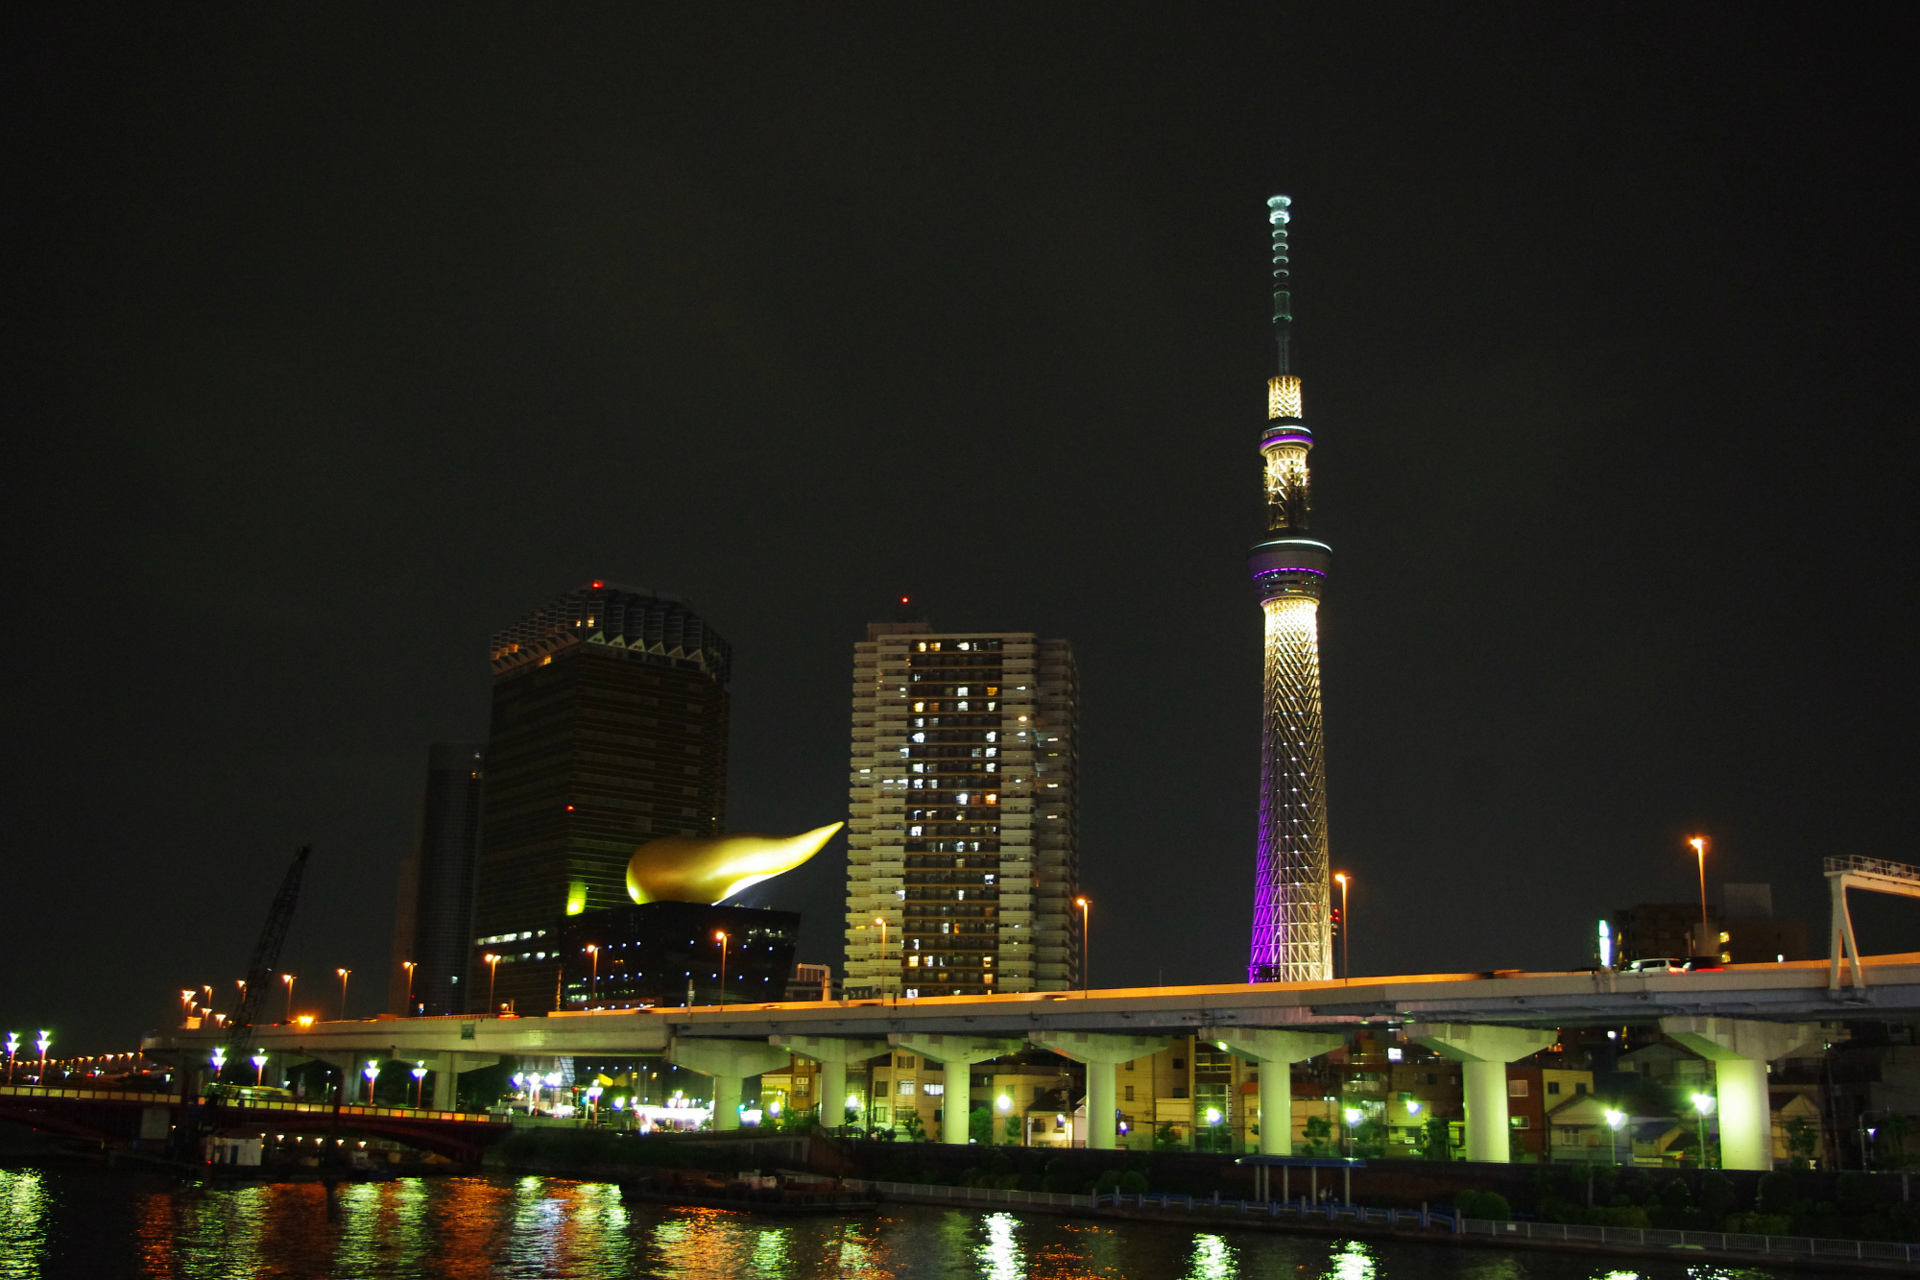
x=913 y=1126
x=1803 y=1140
x=980 y=1126
x=1439 y=1139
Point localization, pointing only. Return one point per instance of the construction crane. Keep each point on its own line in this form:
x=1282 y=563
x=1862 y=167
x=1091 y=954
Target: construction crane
x=266 y=955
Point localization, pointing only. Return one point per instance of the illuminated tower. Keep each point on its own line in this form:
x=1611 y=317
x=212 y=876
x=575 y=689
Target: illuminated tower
x=1292 y=926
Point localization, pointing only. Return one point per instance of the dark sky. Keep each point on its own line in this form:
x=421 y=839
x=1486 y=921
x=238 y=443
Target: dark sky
x=336 y=340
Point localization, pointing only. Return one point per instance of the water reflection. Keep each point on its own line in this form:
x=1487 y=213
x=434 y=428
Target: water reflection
x=23 y=1226
x=1212 y=1259
x=56 y=1224
x=999 y=1255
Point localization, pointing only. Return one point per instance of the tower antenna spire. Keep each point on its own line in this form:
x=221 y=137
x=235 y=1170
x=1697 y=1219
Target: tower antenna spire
x=1279 y=214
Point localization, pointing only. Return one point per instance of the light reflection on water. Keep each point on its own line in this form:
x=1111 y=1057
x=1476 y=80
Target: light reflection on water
x=63 y=1223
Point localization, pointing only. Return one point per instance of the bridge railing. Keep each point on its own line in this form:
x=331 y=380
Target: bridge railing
x=255 y=1104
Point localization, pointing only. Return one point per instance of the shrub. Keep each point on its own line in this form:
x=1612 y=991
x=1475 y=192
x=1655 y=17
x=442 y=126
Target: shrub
x=1674 y=1197
x=1616 y=1216
x=1717 y=1196
x=1133 y=1183
x=1760 y=1224
x=1108 y=1182
x=1777 y=1194
x=1488 y=1205
x=1854 y=1191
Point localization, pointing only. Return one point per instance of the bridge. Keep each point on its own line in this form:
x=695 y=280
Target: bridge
x=1740 y=1018
x=114 y=1115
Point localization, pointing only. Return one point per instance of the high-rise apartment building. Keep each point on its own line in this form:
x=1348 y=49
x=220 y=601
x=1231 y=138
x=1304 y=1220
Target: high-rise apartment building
x=609 y=728
x=962 y=859
x=1292 y=917
x=433 y=922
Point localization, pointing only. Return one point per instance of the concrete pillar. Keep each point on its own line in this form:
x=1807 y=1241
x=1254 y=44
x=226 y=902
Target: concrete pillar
x=1740 y=1052
x=1483 y=1053
x=729 y=1063
x=447 y=1069
x=957 y=1054
x=833 y=1054
x=1276 y=1051
x=1101 y=1054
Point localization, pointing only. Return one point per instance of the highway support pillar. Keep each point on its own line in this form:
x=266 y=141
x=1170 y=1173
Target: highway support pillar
x=957 y=1054
x=447 y=1069
x=1483 y=1053
x=833 y=1055
x=1275 y=1051
x=1101 y=1054
x=729 y=1062
x=1740 y=1051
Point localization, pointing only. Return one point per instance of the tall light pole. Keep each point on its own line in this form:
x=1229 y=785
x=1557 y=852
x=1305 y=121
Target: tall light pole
x=1699 y=844
x=493 y=970
x=1086 y=980
x=186 y=1004
x=419 y=1074
x=1614 y=1120
x=46 y=1038
x=409 y=966
x=1346 y=928
x=1703 y=1104
x=259 y=1069
x=372 y=1072
x=344 y=975
x=13 y=1047
x=720 y=936
x=242 y=984
x=593 y=990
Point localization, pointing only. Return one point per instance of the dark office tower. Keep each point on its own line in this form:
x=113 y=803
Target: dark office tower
x=609 y=728
x=433 y=923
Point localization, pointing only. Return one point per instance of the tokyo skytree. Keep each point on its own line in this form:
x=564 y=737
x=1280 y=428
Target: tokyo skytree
x=1292 y=923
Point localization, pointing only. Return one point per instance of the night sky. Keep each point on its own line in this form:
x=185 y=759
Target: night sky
x=337 y=340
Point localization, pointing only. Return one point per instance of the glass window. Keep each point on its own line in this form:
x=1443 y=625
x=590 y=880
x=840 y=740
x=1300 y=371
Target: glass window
x=1516 y=1088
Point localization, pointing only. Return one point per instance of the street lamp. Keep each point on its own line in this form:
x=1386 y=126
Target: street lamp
x=186 y=1003
x=1614 y=1120
x=593 y=991
x=219 y=1062
x=409 y=966
x=46 y=1038
x=288 y=979
x=1352 y=1116
x=1703 y=1103
x=1699 y=844
x=720 y=936
x=259 y=1061
x=1085 y=977
x=493 y=970
x=1346 y=927
x=13 y=1047
x=419 y=1074
x=372 y=1072
x=344 y=975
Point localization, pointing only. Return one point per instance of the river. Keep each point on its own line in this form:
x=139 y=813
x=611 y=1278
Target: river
x=62 y=1221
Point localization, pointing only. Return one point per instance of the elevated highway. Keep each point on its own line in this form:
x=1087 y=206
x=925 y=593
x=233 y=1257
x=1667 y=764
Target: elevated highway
x=1740 y=1018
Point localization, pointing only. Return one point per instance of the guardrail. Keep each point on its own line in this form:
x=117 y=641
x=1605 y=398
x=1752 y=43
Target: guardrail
x=1724 y=1241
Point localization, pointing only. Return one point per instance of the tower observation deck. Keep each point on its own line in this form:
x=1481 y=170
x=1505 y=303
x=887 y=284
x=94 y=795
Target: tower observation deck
x=1292 y=923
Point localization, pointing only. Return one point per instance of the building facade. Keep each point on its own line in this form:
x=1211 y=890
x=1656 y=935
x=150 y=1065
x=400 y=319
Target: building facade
x=433 y=919
x=962 y=859
x=1292 y=922
x=658 y=954
x=609 y=728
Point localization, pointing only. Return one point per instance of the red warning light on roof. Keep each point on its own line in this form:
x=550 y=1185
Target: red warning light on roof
x=903 y=599
x=597 y=584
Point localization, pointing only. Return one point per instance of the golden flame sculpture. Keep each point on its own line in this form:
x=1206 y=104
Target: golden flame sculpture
x=684 y=869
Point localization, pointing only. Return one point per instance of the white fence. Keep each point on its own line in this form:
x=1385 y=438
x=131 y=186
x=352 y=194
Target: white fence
x=1302 y=1210
x=1724 y=1241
